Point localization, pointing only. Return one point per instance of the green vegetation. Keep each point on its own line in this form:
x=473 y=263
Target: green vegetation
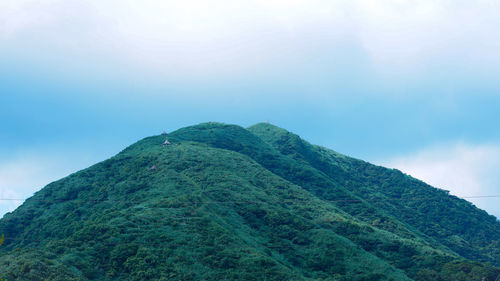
x=227 y=203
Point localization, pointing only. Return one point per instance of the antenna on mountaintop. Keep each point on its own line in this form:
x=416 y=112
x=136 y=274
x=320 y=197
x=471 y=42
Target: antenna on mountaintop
x=267 y=121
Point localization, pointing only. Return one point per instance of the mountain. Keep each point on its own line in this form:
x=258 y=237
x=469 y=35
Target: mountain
x=222 y=202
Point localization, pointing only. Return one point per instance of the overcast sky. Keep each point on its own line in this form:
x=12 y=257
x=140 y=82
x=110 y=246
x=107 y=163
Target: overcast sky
x=406 y=84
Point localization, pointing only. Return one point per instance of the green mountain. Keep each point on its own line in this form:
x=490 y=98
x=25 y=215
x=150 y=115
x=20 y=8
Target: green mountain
x=222 y=202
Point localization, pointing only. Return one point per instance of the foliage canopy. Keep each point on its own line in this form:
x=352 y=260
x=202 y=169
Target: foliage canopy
x=228 y=203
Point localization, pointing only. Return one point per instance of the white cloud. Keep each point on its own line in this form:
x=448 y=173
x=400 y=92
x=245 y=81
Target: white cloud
x=409 y=33
x=24 y=174
x=461 y=168
x=199 y=35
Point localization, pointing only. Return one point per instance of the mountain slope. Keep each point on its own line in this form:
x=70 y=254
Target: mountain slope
x=454 y=222
x=222 y=202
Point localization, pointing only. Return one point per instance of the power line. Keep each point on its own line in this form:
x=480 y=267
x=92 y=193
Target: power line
x=137 y=242
x=187 y=218
x=248 y=201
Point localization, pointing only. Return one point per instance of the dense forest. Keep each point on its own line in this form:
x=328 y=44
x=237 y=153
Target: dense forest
x=221 y=202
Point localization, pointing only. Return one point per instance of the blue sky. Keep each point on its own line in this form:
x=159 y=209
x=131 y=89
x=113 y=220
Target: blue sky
x=406 y=84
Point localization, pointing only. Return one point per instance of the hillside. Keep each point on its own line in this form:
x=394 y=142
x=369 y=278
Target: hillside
x=227 y=203
x=454 y=222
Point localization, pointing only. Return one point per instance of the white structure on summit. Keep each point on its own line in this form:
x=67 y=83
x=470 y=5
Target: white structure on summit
x=163 y=133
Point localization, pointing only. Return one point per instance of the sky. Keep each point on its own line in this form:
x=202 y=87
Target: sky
x=407 y=84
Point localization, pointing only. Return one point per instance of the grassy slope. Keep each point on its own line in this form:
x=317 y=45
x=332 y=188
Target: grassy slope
x=222 y=203
x=454 y=222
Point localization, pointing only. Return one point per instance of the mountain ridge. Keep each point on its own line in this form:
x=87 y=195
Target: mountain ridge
x=227 y=202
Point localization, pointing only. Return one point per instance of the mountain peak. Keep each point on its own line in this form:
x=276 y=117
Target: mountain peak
x=225 y=202
x=268 y=128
